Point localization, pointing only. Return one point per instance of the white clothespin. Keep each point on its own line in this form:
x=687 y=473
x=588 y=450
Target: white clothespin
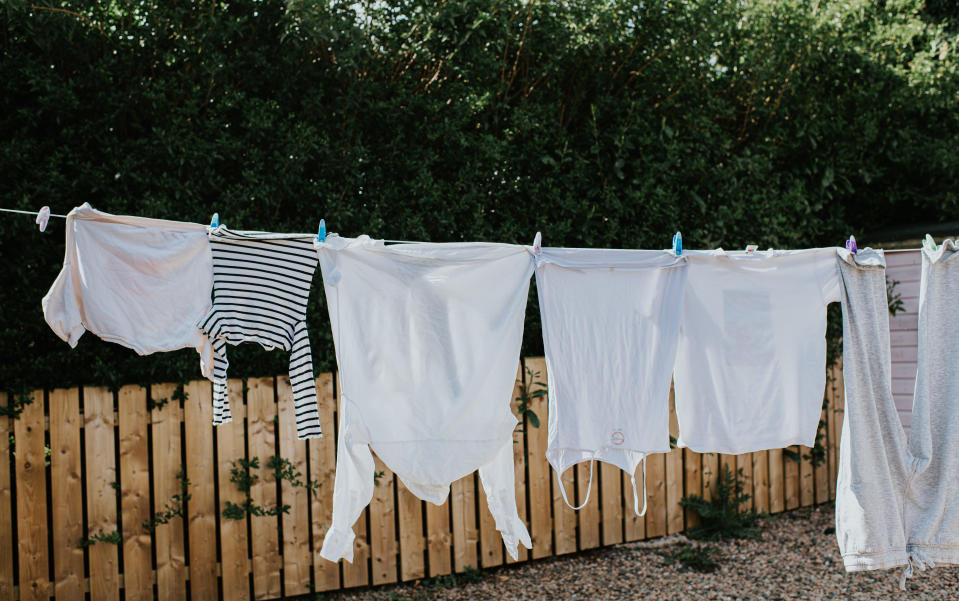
x=43 y=217
x=929 y=243
x=538 y=244
x=751 y=248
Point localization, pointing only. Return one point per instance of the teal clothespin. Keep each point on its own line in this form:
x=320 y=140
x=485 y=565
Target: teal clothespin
x=678 y=244
x=215 y=222
x=321 y=234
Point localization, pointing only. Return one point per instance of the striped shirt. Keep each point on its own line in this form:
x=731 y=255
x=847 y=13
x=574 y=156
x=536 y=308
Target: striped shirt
x=261 y=284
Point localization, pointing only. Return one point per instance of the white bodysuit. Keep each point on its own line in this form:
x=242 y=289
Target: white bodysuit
x=143 y=283
x=610 y=328
x=427 y=341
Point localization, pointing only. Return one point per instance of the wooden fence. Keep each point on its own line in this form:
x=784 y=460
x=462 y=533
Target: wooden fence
x=92 y=463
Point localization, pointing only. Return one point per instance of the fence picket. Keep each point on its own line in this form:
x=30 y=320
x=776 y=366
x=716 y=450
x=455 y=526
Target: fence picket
x=101 y=491
x=761 y=481
x=264 y=529
x=135 y=492
x=6 y=508
x=383 y=545
x=234 y=544
x=656 y=516
x=465 y=532
x=201 y=520
x=32 y=501
x=791 y=475
x=412 y=541
x=66 y=494
x=519 y=463
x=491 y=542
x=297 y=563
x=170 y=558
x=588 y=516
x=540 y=473
x=694 y=482
x=775 y=463
x=326 y=574
x=612 y=503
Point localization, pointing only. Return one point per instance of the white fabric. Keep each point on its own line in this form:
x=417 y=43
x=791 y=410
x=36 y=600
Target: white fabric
x=751 y=366
x=610 y=328
x=427 y=341
x=143 y=283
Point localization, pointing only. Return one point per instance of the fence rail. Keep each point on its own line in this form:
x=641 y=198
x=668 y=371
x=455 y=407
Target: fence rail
x=88 y=464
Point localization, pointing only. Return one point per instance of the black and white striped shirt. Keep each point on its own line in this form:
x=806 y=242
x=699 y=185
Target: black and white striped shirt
x=261 y=284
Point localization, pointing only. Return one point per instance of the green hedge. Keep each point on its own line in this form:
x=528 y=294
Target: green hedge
x=600 y=123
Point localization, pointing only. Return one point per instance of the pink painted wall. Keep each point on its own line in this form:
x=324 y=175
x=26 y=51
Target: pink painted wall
x=904 y=267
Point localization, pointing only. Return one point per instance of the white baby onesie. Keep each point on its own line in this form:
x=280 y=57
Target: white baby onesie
x=143 y=283
x=610 y=329
x=427 y=341
x=751 y=366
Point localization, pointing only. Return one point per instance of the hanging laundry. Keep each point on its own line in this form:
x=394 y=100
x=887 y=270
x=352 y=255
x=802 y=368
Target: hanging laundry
x=932 y=510
x=143 y=283
x=427 y=342
x=261 y=285
x=610 y=329
x=897 y=498
x=751 y=365
x=873 y=462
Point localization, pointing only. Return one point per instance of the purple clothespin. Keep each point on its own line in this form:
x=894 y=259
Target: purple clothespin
x=851 y=245
x=43 y=216
x=538 y=243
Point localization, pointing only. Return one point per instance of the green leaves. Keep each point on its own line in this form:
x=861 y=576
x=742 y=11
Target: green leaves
x=606 y=124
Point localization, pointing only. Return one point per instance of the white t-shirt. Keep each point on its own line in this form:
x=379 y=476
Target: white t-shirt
x=751 y=366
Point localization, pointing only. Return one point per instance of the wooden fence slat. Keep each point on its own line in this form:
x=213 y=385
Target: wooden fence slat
x=326 y=574
x=465 y=532
x=264 y=530
x=32 y=501
x=791 y=475
x=66 y=494
x=611 y=497
x=135 y=492
x=6 y=508
x=519 y=464
x=540 y=473
x=806 y=483
x=634 y=527
x=201 y=520
x=727 y=462
x=412 y=541
x=170 y=556
x=588 y=516
x=744 y=462
x=656 y=513
x=491 y=542
x=383 y=547
x=822 y=470
x=101 y=494
x=234 y=544
x=694 y=482
x=761 y=481
x=564 y=518
x=439 y=539
x=710 y=474
x=674 y=492
x=776 y=491
x=297 y=563
x=835 y=426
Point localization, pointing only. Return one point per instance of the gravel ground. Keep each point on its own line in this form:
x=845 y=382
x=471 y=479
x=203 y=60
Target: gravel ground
x=797 y=558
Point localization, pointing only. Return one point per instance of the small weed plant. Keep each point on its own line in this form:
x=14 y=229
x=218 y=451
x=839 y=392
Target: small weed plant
x=699 y=558
x=722 y=516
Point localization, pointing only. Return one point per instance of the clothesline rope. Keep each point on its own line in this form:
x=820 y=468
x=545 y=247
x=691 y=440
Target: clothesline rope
x=34 y=213
x=895 y=250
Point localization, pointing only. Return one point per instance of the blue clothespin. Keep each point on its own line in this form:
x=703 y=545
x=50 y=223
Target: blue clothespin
x=678 y=244
x=321 y=234
x=851 y=245
x=215 y=222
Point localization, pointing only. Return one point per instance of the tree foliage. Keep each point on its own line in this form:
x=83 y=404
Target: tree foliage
x=604 y=123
